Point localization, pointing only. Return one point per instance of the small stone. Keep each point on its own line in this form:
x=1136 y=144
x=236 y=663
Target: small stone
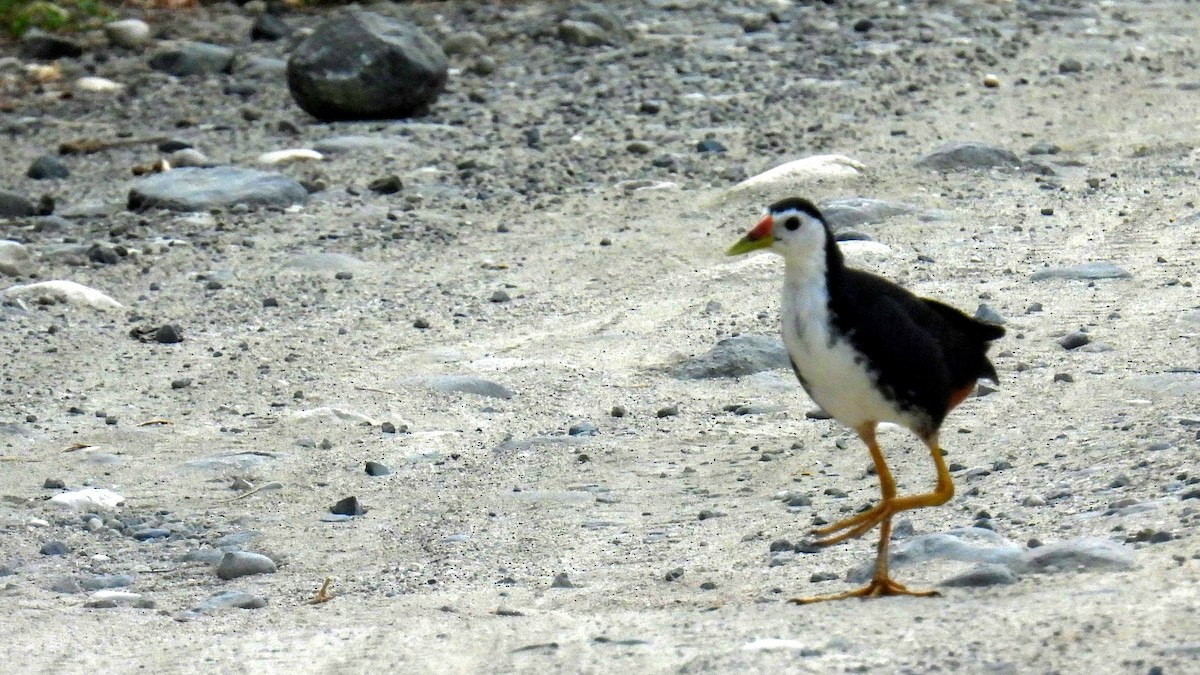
x=46 y=47
x=348 y=506
x=617 y=411
x=127 y=33
x=54 y=548
x=1074 y=340
x=709 y=145
x=53 y=484
x=237 y=564
x=151 y=533
x=343 y=276
x=981 y=575
x=377 y=469
x=107 y=581
x=464 y=43
x=708 y=586
x=582 y=33
x=386 y=185
x=674 y=574
x=387 y=428
x=420 y=323
x=988 y=315
x=181 y=383
x=192 y=58
x=818 y=577
x=669 y=411
x=709 y=514
x=269 y=28
x=499 y=296
x=799 y=500
x=47 y=167
x=231 y=600
x=1070 y=66
x=1064 y=377
x=863 y=25
x=13 y=205
x=781 y=545
x=583 y=429
x=991 y=81
x=66 y=586
x=270 y=302
x=561 y=581
x=1047 y=211
x=105 y=255
x=1087 y=272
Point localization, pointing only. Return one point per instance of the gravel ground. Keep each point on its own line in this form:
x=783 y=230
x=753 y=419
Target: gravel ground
x=504 y=336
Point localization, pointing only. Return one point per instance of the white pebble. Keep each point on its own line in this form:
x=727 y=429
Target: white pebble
x=784 y=178
x=88 y=498
x=288 y=156
x=127 y=33
x=63 y=291
x=100 y=85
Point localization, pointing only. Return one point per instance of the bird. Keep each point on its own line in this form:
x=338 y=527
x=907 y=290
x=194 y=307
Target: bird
x=868 y=351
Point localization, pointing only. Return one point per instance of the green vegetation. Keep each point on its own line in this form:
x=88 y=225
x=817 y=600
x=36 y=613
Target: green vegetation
x=19 y=16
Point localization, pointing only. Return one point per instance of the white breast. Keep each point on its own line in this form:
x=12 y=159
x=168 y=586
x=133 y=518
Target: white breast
x=835 y=375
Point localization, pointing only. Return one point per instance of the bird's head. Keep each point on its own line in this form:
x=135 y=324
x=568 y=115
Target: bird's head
x=792 y=227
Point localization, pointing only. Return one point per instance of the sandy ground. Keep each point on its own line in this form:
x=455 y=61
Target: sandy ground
x=451 y=568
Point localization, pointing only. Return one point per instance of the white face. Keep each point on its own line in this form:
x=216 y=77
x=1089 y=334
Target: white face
x=797 y=234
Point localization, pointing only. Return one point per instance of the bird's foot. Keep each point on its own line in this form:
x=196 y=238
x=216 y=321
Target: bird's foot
x=856 y=525
x=874 y=589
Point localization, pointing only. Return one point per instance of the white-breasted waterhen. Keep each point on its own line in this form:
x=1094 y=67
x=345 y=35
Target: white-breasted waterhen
x=868 y=351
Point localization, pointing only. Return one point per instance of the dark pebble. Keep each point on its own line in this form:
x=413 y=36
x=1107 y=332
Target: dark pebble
x=54 y=548
x=708 y=586
x=152 y=533
x=420 y=323
x=561 y=580
x=583 y=429
x=387 y=185
x=105 y=255
x=800 y=500
x=1069 y=66
x=669 y=411
x=47 y=167
x=344 y=276
x=347 y=507
x=710 y=145
x=818 y=577
x=53 y=484
x=499 y=296
x=617 y=411
x=168 y=334
x=387 y=428
x=863 y=25
x=1064 y=377
x=1047 y=211
x=181 y=383
x=674 y=574
x=781 y=545
x=709 y=514
x=270 y=302
x=377 y=469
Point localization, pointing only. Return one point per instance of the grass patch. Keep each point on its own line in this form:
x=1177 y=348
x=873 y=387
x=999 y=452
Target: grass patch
x=19 y=16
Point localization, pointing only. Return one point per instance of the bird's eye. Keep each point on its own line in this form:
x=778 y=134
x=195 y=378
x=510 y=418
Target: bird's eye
x=792 y=224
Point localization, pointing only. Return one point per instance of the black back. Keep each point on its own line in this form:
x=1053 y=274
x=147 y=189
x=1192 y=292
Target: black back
x=921 y=351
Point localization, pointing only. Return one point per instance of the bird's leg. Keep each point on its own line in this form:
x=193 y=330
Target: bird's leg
x=860 y=523
x=881 y=582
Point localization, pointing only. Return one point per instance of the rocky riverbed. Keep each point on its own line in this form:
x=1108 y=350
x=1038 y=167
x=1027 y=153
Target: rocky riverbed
x=477 y=391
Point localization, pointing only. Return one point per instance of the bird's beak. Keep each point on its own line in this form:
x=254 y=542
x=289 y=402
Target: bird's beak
x=759 y=237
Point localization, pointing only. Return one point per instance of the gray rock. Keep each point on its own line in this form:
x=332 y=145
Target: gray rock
x=856 y=211
x=269 y=27
x=352 y=144
x=582 y=33
x=465 y=43
x=979 y=576
x=263 y=66
x=348 y=506
x=127 y=33
x=1070 y=66
x=13 y=205
x=208 y=556
x=66 y=586
x=736 y=357
x=230 y=600
x=6 y=570
x=967 y=156
x=1087 y=271
x=200 y=189
x=1074 y=340
x=361 y=65
x=241 y=564
x=47 y=167
x=236 y=540
x=988 y=315
x=151 y=533
x=192 y=58
x=377 y=469
x=466 y=384
x=15 y=259
x=45 y=47
x=101 y=582
x=967 y=544
x=1077 y=554
x=561 y=580
x=54 y=548
x=230 y=461
x=583 y=429
x=1169 y=384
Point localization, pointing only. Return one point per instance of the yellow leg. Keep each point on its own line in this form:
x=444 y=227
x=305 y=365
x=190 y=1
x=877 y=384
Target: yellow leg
x=881 y=582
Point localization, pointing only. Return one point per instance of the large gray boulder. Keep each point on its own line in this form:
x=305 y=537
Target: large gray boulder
x=361 y=65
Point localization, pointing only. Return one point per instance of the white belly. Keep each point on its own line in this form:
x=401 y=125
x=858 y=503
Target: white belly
x=834 y=374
